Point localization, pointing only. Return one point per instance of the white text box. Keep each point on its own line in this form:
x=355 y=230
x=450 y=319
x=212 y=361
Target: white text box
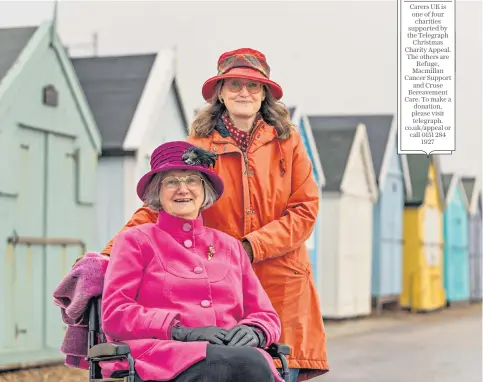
x=426 y=76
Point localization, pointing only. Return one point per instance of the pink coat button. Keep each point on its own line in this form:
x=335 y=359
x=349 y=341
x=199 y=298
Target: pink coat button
x=186 y=227
x=188 y=243
x=198 y=270
x=205 y=303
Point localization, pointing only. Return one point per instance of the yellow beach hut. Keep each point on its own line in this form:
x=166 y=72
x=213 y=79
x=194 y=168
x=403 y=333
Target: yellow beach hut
x=423 y=288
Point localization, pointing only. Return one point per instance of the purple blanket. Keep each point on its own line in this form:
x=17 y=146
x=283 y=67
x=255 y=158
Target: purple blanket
x=84 y=281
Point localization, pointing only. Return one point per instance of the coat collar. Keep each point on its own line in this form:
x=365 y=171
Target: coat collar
x=221 y=128
x=175 y=225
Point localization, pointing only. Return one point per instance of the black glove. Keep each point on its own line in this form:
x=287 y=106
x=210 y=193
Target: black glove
x=244 y=335
x=212 y=334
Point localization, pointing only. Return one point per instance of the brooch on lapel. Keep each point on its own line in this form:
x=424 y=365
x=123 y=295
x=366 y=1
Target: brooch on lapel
x=211 y=251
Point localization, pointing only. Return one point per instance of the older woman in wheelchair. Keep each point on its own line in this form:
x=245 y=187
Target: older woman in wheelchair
x=182 y=296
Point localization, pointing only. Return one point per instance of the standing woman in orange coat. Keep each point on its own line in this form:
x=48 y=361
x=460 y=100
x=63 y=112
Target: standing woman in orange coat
x=271 y=198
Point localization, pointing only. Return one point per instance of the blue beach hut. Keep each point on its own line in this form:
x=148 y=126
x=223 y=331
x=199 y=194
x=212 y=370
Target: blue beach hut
x=313 y=243
x=455 y=255
x=473 y=193
x=49 y=147
x=394 y=184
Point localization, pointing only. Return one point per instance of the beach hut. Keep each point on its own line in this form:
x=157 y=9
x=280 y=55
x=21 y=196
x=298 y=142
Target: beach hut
x=314 y=243
x=473 y=194
x=49 y=146
x=137 y=105
x=455 y=255
x=422 y=287
x=348 y=197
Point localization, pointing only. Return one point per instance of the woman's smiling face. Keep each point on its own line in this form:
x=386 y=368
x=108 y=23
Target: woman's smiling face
x=182 y=193
x=242 y=98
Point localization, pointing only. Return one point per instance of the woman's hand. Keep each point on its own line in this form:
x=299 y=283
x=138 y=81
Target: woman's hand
x=243 y=335
x=212 y=334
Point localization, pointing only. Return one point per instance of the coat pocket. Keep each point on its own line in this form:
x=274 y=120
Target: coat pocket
x=286 y=282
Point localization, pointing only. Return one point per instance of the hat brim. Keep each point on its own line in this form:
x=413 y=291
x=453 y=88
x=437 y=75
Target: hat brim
x=213 y=178
x=208 y=89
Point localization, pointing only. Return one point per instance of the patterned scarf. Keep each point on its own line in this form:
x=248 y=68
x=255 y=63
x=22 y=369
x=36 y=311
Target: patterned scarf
x=242 y=138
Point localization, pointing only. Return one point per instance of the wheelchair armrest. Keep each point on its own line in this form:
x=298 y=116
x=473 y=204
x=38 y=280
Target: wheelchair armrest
x=109 y=349
x=275 y=349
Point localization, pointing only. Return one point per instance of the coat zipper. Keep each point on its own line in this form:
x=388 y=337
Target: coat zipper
x=245 y=211
x=245 y=157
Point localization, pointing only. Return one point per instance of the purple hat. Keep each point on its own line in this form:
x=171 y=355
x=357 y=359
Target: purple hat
x=180 y=155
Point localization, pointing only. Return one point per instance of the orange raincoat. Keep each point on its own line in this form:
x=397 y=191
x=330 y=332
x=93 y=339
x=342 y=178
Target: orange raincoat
x=271 y=199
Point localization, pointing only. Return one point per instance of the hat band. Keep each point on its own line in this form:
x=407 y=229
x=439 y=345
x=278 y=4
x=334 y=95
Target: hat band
x=168 y=154
x=166 y=160
x=244 y=61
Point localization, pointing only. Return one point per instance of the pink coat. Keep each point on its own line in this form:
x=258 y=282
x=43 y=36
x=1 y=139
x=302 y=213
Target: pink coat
x=159 y=274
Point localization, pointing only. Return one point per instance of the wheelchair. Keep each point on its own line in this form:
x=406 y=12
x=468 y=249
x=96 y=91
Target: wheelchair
x=100 y=350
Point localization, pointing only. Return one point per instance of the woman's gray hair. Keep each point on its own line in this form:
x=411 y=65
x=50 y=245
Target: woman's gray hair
x=151 y=193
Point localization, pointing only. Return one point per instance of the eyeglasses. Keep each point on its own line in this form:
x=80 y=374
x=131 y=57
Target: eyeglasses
x=235 y=85
x=174 y=182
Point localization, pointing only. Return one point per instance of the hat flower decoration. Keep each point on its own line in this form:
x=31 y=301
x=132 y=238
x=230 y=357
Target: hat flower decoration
x=196 y=156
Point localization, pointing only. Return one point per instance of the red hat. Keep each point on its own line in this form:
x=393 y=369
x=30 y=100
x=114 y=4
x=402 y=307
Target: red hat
x=242 y=63
x=181 y=155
